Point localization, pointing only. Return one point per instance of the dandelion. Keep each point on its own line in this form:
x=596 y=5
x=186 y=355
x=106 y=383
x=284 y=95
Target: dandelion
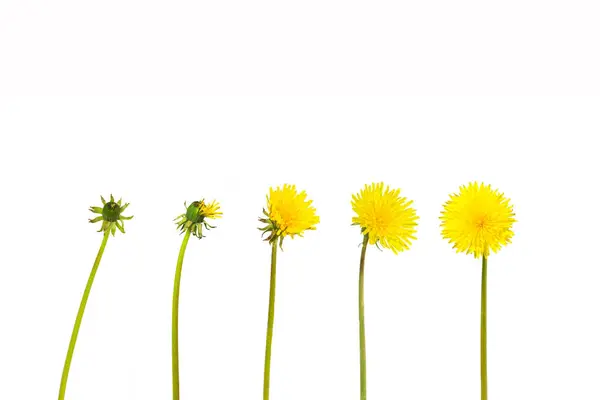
x=192 y=222
x=386 y=220
x=112 y=219
x=288 y=213
x=385 y=217
x=476 y=220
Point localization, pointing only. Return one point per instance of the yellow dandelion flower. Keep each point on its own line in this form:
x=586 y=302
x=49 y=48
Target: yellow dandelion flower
x=288 y=213
x=385 y=217
x=477 y=219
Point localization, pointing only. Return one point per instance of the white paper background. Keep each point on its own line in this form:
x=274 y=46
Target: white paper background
x=315 y=46
x=74 y=125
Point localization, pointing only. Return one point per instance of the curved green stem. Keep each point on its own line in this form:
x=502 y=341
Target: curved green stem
x=484 y=329
x=86 y=294
x=175 y=321
x=361 y=321
x=270 y=322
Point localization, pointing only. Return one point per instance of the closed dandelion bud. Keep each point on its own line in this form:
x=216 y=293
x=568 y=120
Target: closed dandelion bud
x=110 y=215
x=111 y=211
x=112 y=219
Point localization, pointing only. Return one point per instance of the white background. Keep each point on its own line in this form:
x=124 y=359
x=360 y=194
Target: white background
x=92 y=104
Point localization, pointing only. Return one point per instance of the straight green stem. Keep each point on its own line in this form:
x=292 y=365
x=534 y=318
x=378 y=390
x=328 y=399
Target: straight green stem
x=484 y=389
x=361 y=321
x=78 y=319
x=175 y=322
x=270 y=322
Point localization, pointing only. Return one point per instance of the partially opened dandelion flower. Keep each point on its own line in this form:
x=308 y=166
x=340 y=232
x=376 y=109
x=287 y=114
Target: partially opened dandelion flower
x=288 y=213
x=477 y=219
x=385 y=217
x=192 y=222
x=110 y=215
x=196 y=215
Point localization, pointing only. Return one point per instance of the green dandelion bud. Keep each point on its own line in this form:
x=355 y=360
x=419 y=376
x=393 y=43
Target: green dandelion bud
x=194 y=213
x=110 y=215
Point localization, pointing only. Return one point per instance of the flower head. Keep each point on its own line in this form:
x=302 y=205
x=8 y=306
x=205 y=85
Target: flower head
x=477 y=219
x=110 y=215
x=288 y=213
x=195 y=217
x=385 y=217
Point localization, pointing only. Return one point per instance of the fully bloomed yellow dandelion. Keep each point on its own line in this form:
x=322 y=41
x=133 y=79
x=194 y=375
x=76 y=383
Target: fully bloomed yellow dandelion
x=288 y=213
x=477 y=219
x=385 y=217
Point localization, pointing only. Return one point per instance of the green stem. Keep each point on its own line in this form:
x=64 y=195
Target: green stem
x=361 y=321
x=270 y=322
x=175 y=321
x=484 y=329
x=86 y=293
